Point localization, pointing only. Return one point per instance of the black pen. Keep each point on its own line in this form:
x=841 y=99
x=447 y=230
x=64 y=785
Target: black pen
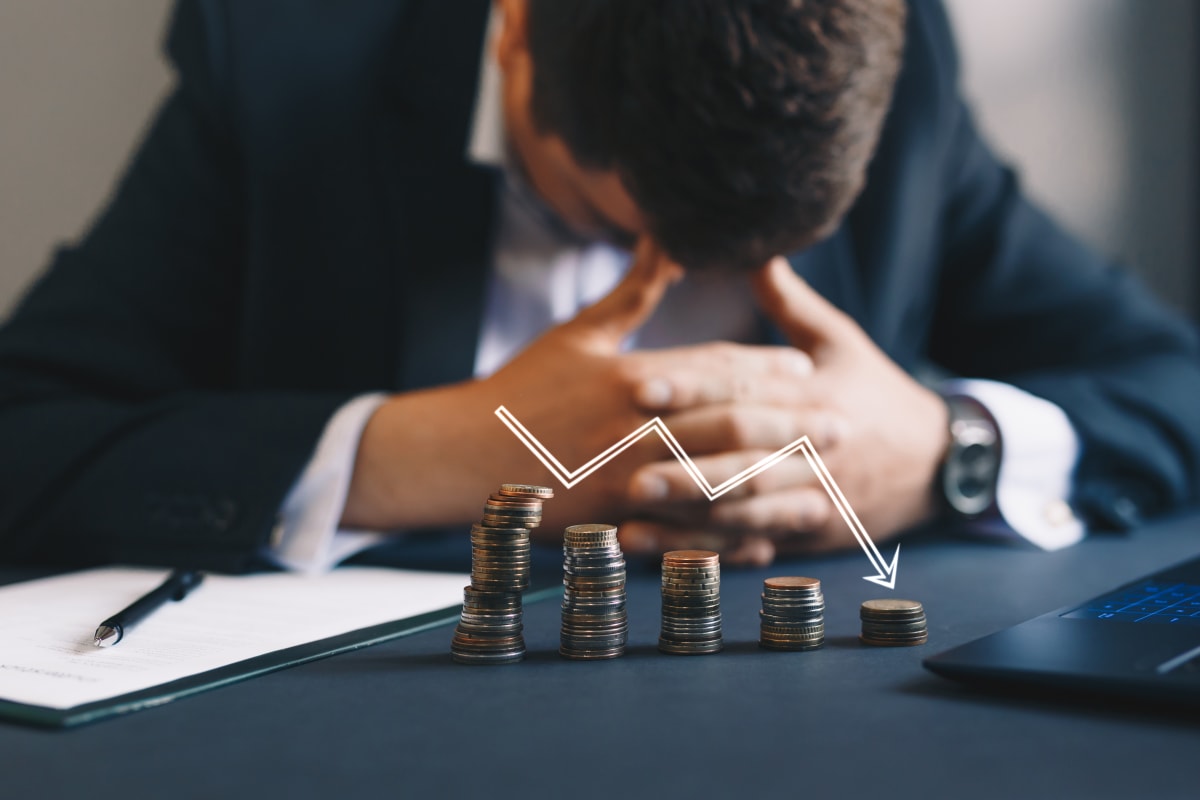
x=175 y=587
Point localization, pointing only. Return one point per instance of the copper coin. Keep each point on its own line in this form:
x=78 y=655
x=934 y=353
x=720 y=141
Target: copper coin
x=691 y=557
x=792 y=583
x=512 y=502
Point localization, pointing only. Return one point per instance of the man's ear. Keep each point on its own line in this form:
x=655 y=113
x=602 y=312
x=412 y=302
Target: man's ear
x=512 y=43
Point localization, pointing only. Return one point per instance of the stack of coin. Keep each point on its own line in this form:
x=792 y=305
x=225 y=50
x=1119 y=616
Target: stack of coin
x=500 y=543
x=893 y=623
x=594 y=622
x=691 y=603
x=793 y=614
x=490 y=628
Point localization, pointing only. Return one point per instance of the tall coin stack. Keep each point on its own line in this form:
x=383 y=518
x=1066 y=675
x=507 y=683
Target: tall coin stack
x=490 y=628
x=893 y=623
x=793 y=614
x=691 y=603
x=594 y=622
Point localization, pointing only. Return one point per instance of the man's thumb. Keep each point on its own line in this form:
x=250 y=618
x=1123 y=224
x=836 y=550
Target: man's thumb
x=805 y=317
x=631 y=302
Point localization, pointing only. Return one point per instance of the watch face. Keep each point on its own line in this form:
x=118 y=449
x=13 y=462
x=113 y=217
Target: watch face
x=975 y=462
x=970 y=477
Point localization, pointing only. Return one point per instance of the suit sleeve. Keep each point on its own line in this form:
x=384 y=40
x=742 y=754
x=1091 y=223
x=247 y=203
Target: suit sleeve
x=1024 y=303
x=128 y=434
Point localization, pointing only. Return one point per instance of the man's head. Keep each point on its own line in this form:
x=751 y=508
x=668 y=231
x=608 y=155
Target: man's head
x=728 y=130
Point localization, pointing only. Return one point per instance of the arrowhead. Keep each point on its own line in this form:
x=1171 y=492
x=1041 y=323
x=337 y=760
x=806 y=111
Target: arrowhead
x=887 y=579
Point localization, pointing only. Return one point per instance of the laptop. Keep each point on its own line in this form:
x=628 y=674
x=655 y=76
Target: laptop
x=1141 y=640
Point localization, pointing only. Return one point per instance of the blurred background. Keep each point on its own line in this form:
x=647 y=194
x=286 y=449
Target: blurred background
x=1094 y=101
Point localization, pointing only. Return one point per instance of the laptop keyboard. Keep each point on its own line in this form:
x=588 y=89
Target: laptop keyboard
x=1152 y=602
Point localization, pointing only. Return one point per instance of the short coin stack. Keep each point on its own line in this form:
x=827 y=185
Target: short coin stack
x=793 y=614
x=594 y=621
x=490 y=628
x=893 y=623
x=691 y=603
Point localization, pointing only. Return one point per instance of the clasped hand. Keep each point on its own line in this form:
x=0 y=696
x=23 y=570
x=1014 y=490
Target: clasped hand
x=879 y=432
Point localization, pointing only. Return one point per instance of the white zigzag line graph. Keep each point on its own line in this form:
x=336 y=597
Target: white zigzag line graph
x=570 y=478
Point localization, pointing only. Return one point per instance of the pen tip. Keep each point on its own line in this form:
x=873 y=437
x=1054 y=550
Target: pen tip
x=105 y=636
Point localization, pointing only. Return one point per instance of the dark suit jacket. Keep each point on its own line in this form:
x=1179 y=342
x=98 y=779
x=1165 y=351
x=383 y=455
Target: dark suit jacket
x=300 y=226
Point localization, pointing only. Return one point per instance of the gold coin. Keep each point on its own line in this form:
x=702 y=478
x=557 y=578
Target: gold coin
x=892 y=605
x=592 y=527
x=526 y=490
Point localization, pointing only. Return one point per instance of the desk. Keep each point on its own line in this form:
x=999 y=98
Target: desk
x=400 y=720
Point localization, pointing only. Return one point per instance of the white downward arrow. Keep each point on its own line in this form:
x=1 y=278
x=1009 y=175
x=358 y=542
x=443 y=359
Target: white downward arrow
x=886 y=573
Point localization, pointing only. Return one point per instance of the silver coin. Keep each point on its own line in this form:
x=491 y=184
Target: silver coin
x=499 y=532
x=681 y=650
x=911 y=627
x=490 y=659
x=791 y=647
x=895 y=634
x=591 y=655
x=894 y=643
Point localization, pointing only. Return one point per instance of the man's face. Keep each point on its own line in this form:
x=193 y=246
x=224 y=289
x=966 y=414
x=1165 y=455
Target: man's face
x=594 y=203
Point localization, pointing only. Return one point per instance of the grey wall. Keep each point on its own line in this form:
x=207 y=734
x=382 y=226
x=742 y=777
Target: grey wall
x=78 y=81
x=1094 y=100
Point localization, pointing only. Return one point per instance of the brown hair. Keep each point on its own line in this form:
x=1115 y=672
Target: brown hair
x=742 y=128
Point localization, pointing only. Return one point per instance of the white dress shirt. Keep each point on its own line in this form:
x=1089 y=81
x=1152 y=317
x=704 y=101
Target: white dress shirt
x=542 y=275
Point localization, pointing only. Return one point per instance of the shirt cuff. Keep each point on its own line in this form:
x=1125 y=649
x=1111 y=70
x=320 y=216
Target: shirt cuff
x=307 y=537
x=1040 y=451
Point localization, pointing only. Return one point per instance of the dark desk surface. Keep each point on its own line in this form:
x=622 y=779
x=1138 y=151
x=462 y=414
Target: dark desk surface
x=401 y=720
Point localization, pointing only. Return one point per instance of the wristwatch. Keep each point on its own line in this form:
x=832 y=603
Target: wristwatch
x=971 y=465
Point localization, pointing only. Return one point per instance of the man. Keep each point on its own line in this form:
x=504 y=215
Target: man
x=265 y=347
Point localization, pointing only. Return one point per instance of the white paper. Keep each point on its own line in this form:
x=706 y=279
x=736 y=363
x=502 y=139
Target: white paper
x=48 y=658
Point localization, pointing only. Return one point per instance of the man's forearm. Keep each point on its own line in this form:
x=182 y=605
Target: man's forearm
x=421 y=461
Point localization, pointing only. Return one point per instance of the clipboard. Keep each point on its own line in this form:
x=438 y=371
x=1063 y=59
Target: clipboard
x=23 y=693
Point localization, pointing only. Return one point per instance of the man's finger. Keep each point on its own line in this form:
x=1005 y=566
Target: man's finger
x=747 y=374
x=649 y=538
x=710 y=430
x=668 y=483
x=805 y=317
x=752 y=551
x=778 y=514
x=631 y=302
x=824 y=540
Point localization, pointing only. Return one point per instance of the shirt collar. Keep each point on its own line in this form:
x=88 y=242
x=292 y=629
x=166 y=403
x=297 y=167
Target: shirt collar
x=488 y=143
